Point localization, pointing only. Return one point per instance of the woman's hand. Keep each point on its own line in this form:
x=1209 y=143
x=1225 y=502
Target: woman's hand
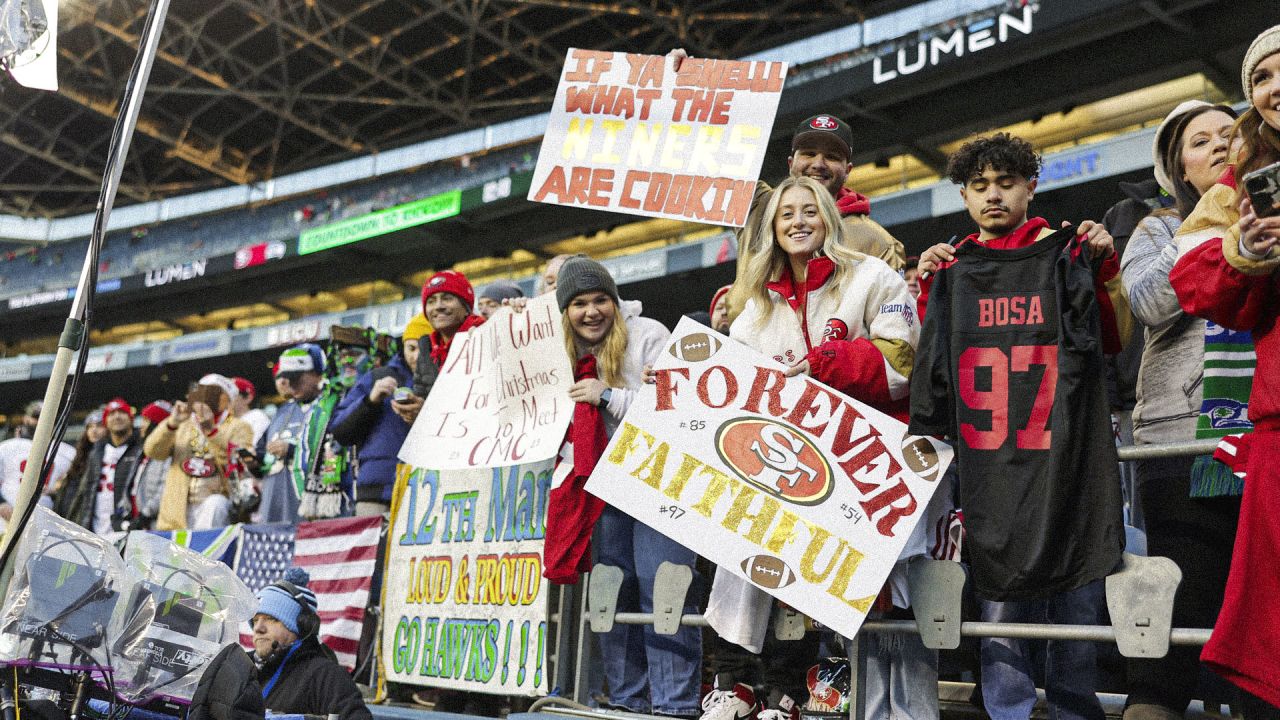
x=587 y=391
x=516 y=304
x=800 y=368
x=678 y=56
x=1258 y=235
x=648 y=375
x=382 y=389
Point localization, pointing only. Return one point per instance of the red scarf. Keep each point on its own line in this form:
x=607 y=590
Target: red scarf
x=440 y=346
x=567 y=549
x=849 y=202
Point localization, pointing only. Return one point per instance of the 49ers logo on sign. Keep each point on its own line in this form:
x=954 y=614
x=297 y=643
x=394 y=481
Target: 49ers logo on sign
x=823 y=122
x=836 y=329
x=775 y=458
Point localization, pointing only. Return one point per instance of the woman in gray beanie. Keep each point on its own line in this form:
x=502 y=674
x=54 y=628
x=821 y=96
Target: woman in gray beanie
x=610 y=345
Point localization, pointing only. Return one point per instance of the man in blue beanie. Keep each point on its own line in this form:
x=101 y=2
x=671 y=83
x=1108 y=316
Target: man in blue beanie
x=298 y=675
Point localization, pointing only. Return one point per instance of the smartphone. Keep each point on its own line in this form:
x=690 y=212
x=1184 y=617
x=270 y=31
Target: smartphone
x=402 y=394
x=1263 y=186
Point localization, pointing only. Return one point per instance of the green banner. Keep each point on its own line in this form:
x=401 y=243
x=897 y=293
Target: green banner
x=418 y=212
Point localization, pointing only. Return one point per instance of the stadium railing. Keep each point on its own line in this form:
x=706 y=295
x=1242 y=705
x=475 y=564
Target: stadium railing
x=573 y=613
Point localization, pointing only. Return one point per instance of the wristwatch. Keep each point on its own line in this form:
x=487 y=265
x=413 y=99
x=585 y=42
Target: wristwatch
x=604 y=397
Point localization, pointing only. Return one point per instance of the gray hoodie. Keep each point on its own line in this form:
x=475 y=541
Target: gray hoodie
x=1169 y=389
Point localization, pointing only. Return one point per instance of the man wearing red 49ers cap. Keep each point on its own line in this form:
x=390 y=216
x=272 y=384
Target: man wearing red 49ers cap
x=99 y=499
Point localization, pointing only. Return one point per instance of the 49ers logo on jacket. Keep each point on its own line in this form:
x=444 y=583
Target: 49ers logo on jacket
x=836 y=329
x=775 y=458
x=198 y=467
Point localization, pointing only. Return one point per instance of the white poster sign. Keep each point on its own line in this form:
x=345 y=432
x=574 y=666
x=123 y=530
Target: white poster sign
x=628 y=133
x=464 y=601
x=808 y=494
x=502 y=396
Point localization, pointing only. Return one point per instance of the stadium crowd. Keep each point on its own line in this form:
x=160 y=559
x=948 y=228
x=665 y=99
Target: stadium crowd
x=825 y=290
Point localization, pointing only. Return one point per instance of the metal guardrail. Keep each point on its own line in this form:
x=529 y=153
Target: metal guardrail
x=1027 y=631
x=1166 y=450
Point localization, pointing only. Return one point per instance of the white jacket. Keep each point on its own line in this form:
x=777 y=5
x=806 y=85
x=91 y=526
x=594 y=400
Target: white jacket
x=872 y=303
x=645 y=340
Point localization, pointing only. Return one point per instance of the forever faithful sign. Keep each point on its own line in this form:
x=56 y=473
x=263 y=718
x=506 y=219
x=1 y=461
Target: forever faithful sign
x=629 y=134
x=809 y=495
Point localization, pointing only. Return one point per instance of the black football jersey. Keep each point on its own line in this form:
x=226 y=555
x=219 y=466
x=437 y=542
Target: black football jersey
x=1010 y=368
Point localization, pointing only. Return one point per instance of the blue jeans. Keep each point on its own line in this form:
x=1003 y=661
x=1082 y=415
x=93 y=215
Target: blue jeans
x=1070 y=667
x=901 y=679
x=647 y=672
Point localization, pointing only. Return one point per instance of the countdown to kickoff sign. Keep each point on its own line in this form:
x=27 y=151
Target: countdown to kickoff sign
x=804 y=492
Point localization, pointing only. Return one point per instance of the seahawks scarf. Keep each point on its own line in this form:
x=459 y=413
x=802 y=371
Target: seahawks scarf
x=1228 y=377
x=314 y=478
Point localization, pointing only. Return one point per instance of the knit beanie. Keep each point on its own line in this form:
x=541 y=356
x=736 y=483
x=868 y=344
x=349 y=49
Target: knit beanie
x=1263 y=47
x=1160 y=145
x=416 y=328
x=500 y=290
x=158 y=411
x=580 y=274
x=279 y=603
x=449 y=281
x=716 y=298
x=245 y=387
x=116 y=404
x=307 y=357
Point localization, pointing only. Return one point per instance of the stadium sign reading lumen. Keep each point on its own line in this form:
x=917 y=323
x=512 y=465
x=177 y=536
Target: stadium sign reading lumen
x=418 y=212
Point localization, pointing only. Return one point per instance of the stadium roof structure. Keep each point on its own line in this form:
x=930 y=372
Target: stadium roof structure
x=247 y=90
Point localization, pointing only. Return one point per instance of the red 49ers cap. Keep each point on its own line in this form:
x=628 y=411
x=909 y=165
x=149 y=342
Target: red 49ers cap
x=826 y=130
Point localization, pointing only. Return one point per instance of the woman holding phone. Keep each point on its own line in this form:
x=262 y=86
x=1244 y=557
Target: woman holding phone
x=1231 y=279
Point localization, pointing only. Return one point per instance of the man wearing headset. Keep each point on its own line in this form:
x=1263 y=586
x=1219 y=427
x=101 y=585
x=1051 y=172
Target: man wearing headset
x=298 y=675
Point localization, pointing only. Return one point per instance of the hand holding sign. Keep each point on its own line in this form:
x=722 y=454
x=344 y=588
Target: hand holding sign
x=804 y=492
x=501 y=397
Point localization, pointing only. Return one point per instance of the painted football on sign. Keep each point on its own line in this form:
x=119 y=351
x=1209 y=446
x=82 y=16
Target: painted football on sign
x=768 y=571
x=776 y=458
x=695 y=347
x=922 y=457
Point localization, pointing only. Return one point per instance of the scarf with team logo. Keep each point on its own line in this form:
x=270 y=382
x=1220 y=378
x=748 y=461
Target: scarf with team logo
x=317 y=475
x=1229 y=358
x=1229 y=361
x=567 y=549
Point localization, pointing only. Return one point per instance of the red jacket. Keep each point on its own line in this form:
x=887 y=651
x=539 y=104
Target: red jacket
x=1215 y=282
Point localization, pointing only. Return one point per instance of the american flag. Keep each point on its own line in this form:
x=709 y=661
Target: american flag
x=340 y=555
x=266 y=551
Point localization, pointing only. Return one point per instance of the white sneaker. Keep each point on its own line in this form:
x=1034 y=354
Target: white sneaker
x=781 y=708
x=737 y=702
